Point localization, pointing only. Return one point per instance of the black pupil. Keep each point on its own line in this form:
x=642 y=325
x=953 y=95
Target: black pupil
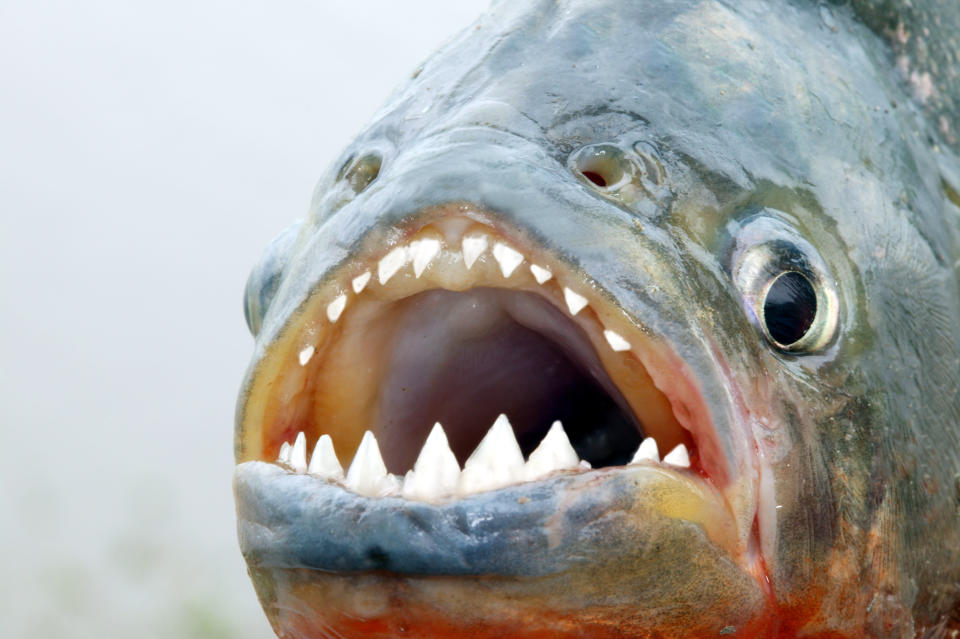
x=789 y=308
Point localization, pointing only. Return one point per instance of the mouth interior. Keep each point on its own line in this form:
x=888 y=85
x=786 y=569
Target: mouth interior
x=462 y=358
x=396 y=365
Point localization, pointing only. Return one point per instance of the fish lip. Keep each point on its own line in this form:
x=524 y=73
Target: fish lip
x=533 y=529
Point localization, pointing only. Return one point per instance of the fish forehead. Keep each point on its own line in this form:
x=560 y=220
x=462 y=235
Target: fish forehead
x=781 y=84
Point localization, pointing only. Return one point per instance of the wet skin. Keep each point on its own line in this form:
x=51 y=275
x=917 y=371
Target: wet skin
x=667 y=161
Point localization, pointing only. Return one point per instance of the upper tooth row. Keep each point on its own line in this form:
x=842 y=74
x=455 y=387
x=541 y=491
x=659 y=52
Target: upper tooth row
x=495 y=463
x=421 y=253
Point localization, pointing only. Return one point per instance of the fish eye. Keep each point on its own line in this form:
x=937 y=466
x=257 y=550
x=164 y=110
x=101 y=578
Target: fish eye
x=789 y=308
x=360 y=172
x=785 y=286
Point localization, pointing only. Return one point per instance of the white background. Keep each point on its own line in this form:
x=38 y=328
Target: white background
x=148 y=152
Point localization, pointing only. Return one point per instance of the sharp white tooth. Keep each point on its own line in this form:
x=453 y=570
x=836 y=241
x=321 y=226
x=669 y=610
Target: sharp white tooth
x=436 y=470
x=574 y=301
x=540 y=274
x=306 y=354
x=324 y=462
x=284 y=456
x=423 y=252
x=616 y=341
x=648 y=451
x=368 y=474
x=335 y=308
x=391 y=263
x=496 y=462
x=678 y=457
x=553 y=453
x=473 y=247
x=298 y=454
x=507 y=257
x=360 y=281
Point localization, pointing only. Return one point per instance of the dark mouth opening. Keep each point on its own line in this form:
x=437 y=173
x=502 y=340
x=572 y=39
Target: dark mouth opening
x=462 y=358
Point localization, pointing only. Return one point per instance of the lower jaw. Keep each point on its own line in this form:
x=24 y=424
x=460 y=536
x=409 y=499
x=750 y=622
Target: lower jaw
x=632 y=552
x=307 y=604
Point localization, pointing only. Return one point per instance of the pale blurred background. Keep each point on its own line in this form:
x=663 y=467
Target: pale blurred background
x=148 y=152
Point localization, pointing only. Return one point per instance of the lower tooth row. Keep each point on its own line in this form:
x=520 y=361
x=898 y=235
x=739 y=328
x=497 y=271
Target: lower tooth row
x=496 y=462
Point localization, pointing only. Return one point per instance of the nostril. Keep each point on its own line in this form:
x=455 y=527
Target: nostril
x=602 y=165
x=360 y=172
x=594 y=177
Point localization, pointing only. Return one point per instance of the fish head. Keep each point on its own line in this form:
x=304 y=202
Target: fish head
x=620 y=319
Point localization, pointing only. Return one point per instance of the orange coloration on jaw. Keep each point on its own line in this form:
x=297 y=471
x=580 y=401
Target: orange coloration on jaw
x=323 y=607
x=382 y=606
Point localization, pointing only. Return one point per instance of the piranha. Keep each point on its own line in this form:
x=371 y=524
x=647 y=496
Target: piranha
x=623 y=319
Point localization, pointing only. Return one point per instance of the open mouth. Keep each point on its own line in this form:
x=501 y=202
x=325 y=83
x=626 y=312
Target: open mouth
x=459 y=363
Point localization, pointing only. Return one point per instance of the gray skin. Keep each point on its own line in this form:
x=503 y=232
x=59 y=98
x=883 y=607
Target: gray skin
x=758 y=120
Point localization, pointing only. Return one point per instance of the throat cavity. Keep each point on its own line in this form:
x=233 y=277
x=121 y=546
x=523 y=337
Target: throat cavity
x=463 y=358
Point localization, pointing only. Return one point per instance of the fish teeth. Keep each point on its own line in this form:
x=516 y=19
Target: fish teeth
x=284 y=456
x=496 y=462
x=360 y=282
x=678 y=457
x=554 y=453
x=508 y=258
x=335 y=308
x=423 y=252
x=540 y=274
x=324 y=462
x=473 y=247
x=298 y=454
x=436 y=471
x=647 y=452
x=368 y=474
x=616 y=341
x=306 y=354
x=575 y=302
x=391 y=263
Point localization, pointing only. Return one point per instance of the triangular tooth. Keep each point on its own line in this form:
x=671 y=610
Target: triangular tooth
x=284 y=456
x=616 y=341
x=368 y=474
x=647 y=452
x=508 y=258
x=324 y=462
x=306 y=354
x=360 y=281
x=496 y=462
x=678 y=457
x=298 y=454
x=436 y=471
x=575 y=302
x=391 y=263
x=540 y=274
x=423 y=252
x=335 y=308
x=554 y=453
x=473 y=247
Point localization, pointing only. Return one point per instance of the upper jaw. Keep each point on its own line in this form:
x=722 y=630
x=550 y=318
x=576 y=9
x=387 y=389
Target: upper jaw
x=429 y=254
